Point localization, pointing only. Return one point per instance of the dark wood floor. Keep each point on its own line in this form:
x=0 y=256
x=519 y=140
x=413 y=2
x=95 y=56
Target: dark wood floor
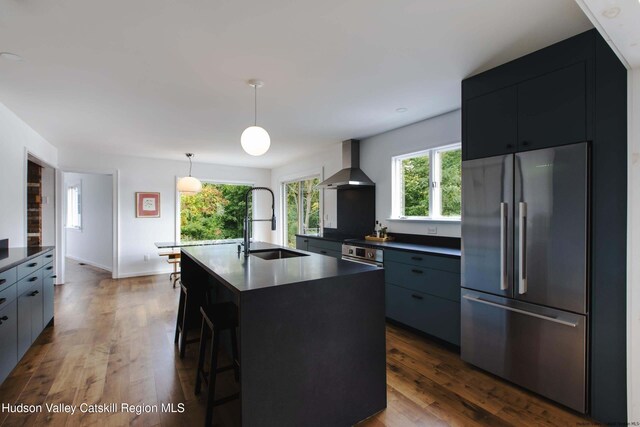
x=113 y=342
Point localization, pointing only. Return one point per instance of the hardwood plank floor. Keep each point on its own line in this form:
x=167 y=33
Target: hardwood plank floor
x=112 y=342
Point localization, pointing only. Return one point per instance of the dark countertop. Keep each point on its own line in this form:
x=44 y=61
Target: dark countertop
x=410 y=247
x=242 y=275
x=13 y=256
x=168 y=245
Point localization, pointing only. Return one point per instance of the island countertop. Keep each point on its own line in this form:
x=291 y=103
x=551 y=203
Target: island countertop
x=241 y=274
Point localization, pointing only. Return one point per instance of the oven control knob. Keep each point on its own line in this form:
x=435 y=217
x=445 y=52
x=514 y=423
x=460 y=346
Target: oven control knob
x=370 y=254
x=350 y=251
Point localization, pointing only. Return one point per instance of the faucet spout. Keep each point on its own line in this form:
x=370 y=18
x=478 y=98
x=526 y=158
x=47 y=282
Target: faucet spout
x=246 y=232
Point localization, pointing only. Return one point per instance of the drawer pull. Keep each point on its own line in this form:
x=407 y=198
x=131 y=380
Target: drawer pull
x=49 y=256
x=305 y=240
x=3 y=281
x=416 y=296
x=33 y=279
x=323 y=252
x=415 y=270
x=416 y=258
x=33 y=264
x=34 y=293
x=50 y=267
x=2 y=300
x=3 y=318
x=54 y=277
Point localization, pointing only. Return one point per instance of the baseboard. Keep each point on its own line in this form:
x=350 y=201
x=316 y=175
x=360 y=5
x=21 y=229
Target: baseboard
x=143 y=273
x=91 y=263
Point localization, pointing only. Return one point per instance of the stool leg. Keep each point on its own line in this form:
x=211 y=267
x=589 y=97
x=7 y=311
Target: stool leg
x=179 y=316
x=183 y=337
x=200 y=370
x=212 y=377
x=234 y=353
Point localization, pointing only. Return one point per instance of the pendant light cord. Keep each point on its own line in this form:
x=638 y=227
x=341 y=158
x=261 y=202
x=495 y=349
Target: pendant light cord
x=255 y=105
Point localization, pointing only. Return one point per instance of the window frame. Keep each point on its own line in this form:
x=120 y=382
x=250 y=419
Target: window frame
x=78 y=206
x=435 y=189
x=283 y=191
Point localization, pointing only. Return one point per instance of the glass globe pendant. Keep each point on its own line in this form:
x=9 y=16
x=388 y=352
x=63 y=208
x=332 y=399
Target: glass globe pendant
x=255 y=140
x=189 y=184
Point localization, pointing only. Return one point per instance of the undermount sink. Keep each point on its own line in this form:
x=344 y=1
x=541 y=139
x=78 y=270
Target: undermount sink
x=276 y=254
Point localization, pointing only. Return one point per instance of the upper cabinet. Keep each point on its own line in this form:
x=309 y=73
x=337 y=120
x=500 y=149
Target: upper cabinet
x=537 y=101
x=552 y=109
x=491 y=124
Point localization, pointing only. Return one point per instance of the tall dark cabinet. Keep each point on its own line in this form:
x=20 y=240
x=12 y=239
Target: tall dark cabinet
x=573 y=91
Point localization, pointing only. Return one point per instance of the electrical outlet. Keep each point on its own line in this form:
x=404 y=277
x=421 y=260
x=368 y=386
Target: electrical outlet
x=146 y=258
x=432 y=230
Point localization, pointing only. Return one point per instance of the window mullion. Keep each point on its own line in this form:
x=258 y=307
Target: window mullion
x=436 y=195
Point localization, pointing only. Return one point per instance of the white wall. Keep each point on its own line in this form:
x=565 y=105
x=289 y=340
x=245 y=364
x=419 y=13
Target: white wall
x=136 y=236
x=327 y=162
x=633 y=254
x=375 y=159
x=16 y=137
x=93 y=243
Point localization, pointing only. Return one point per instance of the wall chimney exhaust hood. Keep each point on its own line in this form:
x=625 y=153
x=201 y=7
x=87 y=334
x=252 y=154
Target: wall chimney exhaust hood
x=350 y=176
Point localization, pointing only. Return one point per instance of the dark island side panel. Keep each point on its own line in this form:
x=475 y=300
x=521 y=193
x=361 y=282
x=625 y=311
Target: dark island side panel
x=322 y=343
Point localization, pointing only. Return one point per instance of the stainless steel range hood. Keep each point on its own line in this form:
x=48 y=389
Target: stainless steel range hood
x=350 y=176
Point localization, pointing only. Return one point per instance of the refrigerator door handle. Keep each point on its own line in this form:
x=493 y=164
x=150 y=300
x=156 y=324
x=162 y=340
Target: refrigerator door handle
x=504 y=218
x=517 y=310
x=522 y=253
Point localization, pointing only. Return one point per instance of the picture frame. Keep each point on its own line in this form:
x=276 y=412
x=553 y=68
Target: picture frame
x=147 y=204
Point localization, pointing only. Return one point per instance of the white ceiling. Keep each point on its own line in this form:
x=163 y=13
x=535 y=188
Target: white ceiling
x=158 y=78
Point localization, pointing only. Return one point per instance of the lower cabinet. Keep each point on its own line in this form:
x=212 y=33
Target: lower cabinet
x=436 y=316
x=30 y=311
x=325 y=247
x=8 y=339
x=302 y=243
x=423 y=292
x=48 y=280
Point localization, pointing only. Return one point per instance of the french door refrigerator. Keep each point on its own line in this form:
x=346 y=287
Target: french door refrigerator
x=524 y=269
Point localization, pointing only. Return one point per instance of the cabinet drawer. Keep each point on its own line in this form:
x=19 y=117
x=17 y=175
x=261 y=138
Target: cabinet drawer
x=423 y=260
x=323 y=251
x=436 y=316
x=302 y=243
x=7 y=295
x=326 y=244
x=29 y=281
x=47 y=257
x=8 y=339
x=27 y=268
x=435 y=282
x=8 y=278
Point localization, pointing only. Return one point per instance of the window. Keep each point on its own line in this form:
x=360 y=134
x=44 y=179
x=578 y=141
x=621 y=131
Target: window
x=427 y=184
x=302 y=208
x=216 y=213
x=74 y=207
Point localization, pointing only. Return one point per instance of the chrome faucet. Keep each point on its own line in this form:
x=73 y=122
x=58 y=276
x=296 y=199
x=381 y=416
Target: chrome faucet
x=247 y=222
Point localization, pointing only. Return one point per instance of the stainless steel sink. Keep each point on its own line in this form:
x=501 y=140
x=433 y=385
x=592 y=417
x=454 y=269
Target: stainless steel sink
x=276 y=254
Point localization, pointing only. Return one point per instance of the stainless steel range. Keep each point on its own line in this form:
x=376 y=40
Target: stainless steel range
x=362 y=254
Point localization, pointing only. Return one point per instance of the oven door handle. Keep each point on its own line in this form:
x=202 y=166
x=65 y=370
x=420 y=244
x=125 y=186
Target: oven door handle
x=376 y=264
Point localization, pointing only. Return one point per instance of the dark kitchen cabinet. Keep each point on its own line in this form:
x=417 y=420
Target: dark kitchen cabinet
x=302 y=243
x=325 y=247
x=47 y=294
x=491 y=124
x=30 y=306
x=552 y=109
x=8 y=339
x=423 y=292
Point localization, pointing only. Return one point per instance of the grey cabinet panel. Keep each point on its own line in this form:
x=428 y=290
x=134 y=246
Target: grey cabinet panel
x=29 y=267
x=440 y=283
x=326 y=244
x=324 y=251
x=7 y=295
x=436 y=316
x=302 y=243
x=8 y=277
x=24 y=324
x=424 y=260
x=36 y=311
x=8 y=339
x=29 y=281
x=48 y=257
x=47 y=296
x=491 y=124
x=552 y=109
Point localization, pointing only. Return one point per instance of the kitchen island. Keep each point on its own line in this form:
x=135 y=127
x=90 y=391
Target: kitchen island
x=311 y=333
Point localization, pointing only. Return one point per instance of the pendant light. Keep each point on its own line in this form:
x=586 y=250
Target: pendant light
x=255 y=140
x=189 y=184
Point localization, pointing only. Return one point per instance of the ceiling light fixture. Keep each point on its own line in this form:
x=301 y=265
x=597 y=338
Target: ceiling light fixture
x=189 y=184
x=10 y=56
x=611 y=12
x=255 y=140
x=401 y=110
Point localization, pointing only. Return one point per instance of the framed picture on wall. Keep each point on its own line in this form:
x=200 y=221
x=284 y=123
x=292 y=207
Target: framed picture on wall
x=147 y=205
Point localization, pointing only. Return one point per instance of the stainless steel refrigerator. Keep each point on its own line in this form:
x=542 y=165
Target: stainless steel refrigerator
x=524 y=269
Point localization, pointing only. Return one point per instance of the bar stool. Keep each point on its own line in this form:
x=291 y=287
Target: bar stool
x=184 y=319
x=217 y=318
